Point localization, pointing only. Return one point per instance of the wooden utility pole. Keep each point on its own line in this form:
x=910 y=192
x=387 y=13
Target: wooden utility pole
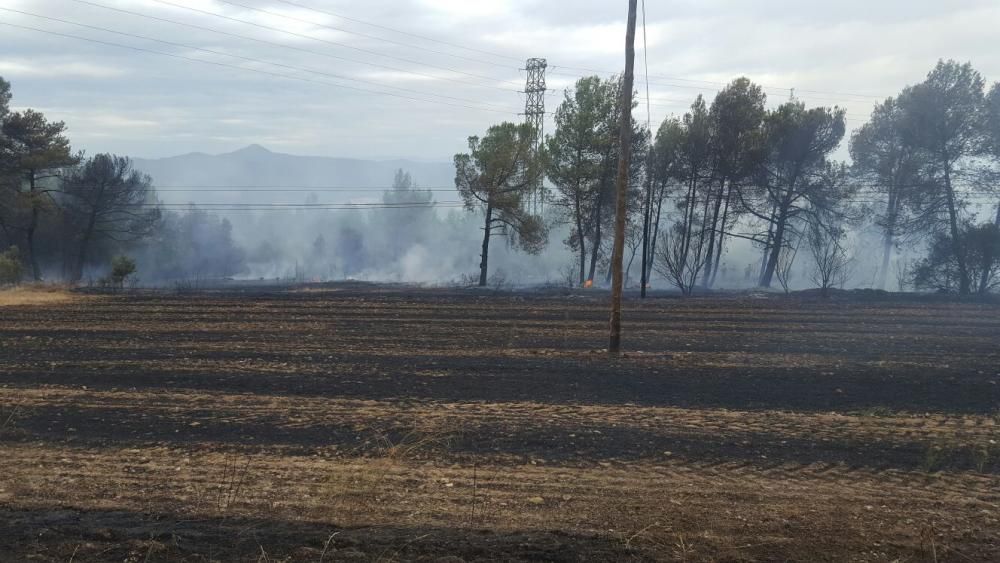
x=625 y=139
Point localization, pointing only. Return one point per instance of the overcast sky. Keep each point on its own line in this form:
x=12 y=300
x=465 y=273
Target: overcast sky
x=432 y=53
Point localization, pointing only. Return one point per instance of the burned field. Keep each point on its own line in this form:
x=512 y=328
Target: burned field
x=365 y=423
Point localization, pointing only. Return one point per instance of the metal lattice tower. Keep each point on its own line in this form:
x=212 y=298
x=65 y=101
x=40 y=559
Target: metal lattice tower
x=534 y=100
x=534 y=113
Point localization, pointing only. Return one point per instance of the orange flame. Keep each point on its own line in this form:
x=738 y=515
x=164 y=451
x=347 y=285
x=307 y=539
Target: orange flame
x=588 y=283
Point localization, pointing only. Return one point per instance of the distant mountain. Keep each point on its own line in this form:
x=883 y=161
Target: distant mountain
x=202 y=175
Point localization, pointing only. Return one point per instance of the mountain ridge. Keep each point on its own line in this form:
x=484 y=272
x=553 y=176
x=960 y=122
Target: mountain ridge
x=255 y=166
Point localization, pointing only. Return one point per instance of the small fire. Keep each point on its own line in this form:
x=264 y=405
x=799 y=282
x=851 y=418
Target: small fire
x=588 y=284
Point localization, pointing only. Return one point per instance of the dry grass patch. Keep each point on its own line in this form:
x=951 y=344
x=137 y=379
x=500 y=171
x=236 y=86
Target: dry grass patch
x=36 y=295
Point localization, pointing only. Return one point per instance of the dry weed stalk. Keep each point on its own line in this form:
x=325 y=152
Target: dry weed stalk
x=10 y=418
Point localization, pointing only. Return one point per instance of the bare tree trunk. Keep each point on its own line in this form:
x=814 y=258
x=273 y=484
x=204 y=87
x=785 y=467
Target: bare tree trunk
x=963 y=272
x=688 y=222
x=628 y=267
x=707 y=275
x=36 y=272
x=487 y=231
x=625 y=134
x=656 y=234
x=985 y=270
x=772 y=261
x=81 y=259
x=578 y=212
x=722 y=235
x=892 y=213
x=883 y=275
x=767 y=245
x=596 y=244
x=647 y=211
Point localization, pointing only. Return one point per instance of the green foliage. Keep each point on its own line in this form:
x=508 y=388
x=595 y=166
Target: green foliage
x=582 y=160
x=585 y=137
x=943 y=115
x=666 y=150
x=108 y=200
x=943 y=455
x=937 y=457
x=883 y=157
x=574 y=158
x=35 y=144
x=496 y=177
x=943 y=121
x=736 y=115
x=10 y=267
x=799 y=140
x=121 y=268
x=500 y=169
x=980 y=249
x=32 y=153
x=801 y=182
x=4 y=97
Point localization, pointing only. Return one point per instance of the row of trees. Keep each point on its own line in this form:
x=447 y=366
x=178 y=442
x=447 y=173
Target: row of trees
x=729 y=169
x=927 y=152
x=734 y=168
x=61 y=211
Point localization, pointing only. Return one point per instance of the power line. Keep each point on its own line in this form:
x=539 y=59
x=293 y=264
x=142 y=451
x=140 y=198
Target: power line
x=394 y=30
x=276 y=204
x=672 y=102
x=869 y=189
x=342 y=30
x=226 y=65
x=343 y=45
x=717 y=88
x=448 y=69
x=289 y=47
x=583 y=69
x=387 y=67
x=715 y=83
x=215 y=208
x=241 y=57
x=293 y=189
x=361 y=205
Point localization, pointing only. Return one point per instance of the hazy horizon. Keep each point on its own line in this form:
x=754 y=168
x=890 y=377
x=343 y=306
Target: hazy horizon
x=259 y=147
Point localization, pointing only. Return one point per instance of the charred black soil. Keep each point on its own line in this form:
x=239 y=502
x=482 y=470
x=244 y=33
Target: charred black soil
x=390 y=423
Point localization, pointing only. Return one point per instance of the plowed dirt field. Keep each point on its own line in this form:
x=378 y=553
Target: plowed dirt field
x=383 y=423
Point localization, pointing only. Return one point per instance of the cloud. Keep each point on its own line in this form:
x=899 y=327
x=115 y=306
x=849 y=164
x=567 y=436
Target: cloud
x=824 y=50
x=460 y=10
x=42 y=69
